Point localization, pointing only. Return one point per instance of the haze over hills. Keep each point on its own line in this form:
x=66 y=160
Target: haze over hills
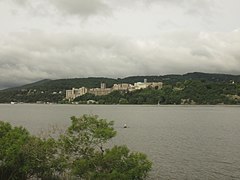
x=221 y=88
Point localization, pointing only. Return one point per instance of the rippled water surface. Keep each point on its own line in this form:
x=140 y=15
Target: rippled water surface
x=184 y=142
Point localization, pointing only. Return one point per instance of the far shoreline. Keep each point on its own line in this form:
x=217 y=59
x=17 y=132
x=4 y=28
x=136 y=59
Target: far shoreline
x=147 y=105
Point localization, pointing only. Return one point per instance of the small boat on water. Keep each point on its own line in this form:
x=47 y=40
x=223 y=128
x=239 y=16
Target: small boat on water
x=125 y=126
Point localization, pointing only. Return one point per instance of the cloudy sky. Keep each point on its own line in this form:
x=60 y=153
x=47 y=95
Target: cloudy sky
x=116 y=38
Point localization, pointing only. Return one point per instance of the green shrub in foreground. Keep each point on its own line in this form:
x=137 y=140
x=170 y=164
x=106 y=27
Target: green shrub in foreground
x=78 y=153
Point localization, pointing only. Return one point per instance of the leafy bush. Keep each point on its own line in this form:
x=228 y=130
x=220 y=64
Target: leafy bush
x=77 y=153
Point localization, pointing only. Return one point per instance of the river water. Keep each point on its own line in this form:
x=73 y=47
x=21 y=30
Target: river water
x=183 y=142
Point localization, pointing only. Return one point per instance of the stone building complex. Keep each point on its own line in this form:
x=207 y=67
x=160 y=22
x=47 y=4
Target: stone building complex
x=75 y=92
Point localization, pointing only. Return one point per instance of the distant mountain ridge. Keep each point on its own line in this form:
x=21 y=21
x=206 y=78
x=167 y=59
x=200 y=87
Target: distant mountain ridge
x=90 y=82
x=37 y=83
x=54 y=90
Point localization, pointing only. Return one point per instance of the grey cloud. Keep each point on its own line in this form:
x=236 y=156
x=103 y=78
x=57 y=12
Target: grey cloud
x=195 y=4
x=204 y=9
x=86 y=8
x=82 y=7
x=28 y=57
x=193 y=7
x=21 y=2
x=201 y=52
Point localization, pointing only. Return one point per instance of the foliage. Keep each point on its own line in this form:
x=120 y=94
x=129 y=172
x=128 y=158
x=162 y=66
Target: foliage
x=85 y=134
x=77 y=153
x=83 y=146
x=187 y=92
x=198 y=88
x=12 y=141
x=115 y=163
x=23 y=156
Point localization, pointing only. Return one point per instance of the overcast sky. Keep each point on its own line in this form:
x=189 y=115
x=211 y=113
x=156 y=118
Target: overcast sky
x=116 y=38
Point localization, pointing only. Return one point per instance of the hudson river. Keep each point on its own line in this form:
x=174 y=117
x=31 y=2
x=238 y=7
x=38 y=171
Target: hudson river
x=183 y=142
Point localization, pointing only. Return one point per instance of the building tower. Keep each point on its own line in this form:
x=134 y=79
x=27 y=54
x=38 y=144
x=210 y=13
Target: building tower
x=103 y=85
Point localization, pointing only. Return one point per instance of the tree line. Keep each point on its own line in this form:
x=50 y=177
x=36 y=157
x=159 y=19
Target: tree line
x=187 y=92
x=198 y=88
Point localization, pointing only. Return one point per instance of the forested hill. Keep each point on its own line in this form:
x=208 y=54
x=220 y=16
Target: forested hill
x=91 y=82
x=54 y=90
